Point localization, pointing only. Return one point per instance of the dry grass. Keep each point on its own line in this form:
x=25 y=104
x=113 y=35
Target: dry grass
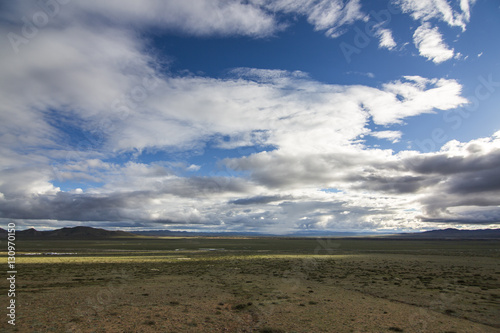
x=238 y=290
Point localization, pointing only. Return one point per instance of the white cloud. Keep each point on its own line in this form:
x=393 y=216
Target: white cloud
x=457 y=184
x=255 y=18
x=193 y=167
x=426 y=10
x=465 y=6
x=292 y=111
x=109 y=62
x=385 y=39
x=410 y=97
x=430 y=44
x=392 y=136
x=127 y=113
x=325 y=15
x=466 y=187
x=196 y=17
x=102 y=82
x=429 y=41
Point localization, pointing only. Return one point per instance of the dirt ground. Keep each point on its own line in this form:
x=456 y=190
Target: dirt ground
x=238 y=293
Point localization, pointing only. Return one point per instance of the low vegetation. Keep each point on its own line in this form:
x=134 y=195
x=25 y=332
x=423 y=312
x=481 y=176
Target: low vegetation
x=257 y=285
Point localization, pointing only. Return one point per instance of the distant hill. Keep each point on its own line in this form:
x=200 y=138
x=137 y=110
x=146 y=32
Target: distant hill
x=433 y=234
x=169 y=233
x=452 y=233
x=312 y=233
x=97 y=233
x=72 y=233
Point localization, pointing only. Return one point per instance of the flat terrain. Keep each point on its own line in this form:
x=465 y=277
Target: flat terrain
x=257 y=285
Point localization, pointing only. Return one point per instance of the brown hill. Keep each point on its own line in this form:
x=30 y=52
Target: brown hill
x=73 y=233
x=452 y=233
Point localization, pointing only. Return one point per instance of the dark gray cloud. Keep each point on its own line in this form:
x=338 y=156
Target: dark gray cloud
x=481 y=181
x=279 y=170
x=115 y=206
x=444 y=164
x=391 y=184
x=464 y=220
x=461 y=183
x=485 y=215
x=71 y=207
x=261 y=199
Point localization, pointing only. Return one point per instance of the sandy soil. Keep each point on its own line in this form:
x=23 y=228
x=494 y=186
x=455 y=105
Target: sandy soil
x=242 y=296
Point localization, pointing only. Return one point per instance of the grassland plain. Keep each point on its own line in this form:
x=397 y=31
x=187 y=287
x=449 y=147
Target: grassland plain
x=257 y=285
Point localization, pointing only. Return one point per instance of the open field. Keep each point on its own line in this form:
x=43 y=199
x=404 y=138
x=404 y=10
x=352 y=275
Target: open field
x=257 y=285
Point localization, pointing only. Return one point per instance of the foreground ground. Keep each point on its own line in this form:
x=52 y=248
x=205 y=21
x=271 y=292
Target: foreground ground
x=257 y=285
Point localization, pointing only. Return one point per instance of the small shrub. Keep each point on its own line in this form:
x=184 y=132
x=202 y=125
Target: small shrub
x=239 y=306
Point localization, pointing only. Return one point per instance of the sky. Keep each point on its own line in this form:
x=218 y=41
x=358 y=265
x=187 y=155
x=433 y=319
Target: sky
x=263 y=116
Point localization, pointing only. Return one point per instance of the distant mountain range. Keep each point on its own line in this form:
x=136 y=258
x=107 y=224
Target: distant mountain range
x=169 y=233
x=96 y=233
x=451 y=233
x=69 y=233
x=307 y=233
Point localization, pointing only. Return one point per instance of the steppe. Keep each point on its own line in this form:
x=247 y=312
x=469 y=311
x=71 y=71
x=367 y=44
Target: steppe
x=266 y=284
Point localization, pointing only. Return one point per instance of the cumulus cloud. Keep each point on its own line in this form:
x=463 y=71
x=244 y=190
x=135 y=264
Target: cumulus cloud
x=281 y=170
x=194 y=109
x=133 y=192
x=412 y=96
x=313 y=127
x=465 y=184
x=78 y=96
x=75 y=60
x=457 y=184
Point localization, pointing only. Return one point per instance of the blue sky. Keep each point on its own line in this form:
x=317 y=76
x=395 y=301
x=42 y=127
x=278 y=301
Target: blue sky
x=271 y=116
